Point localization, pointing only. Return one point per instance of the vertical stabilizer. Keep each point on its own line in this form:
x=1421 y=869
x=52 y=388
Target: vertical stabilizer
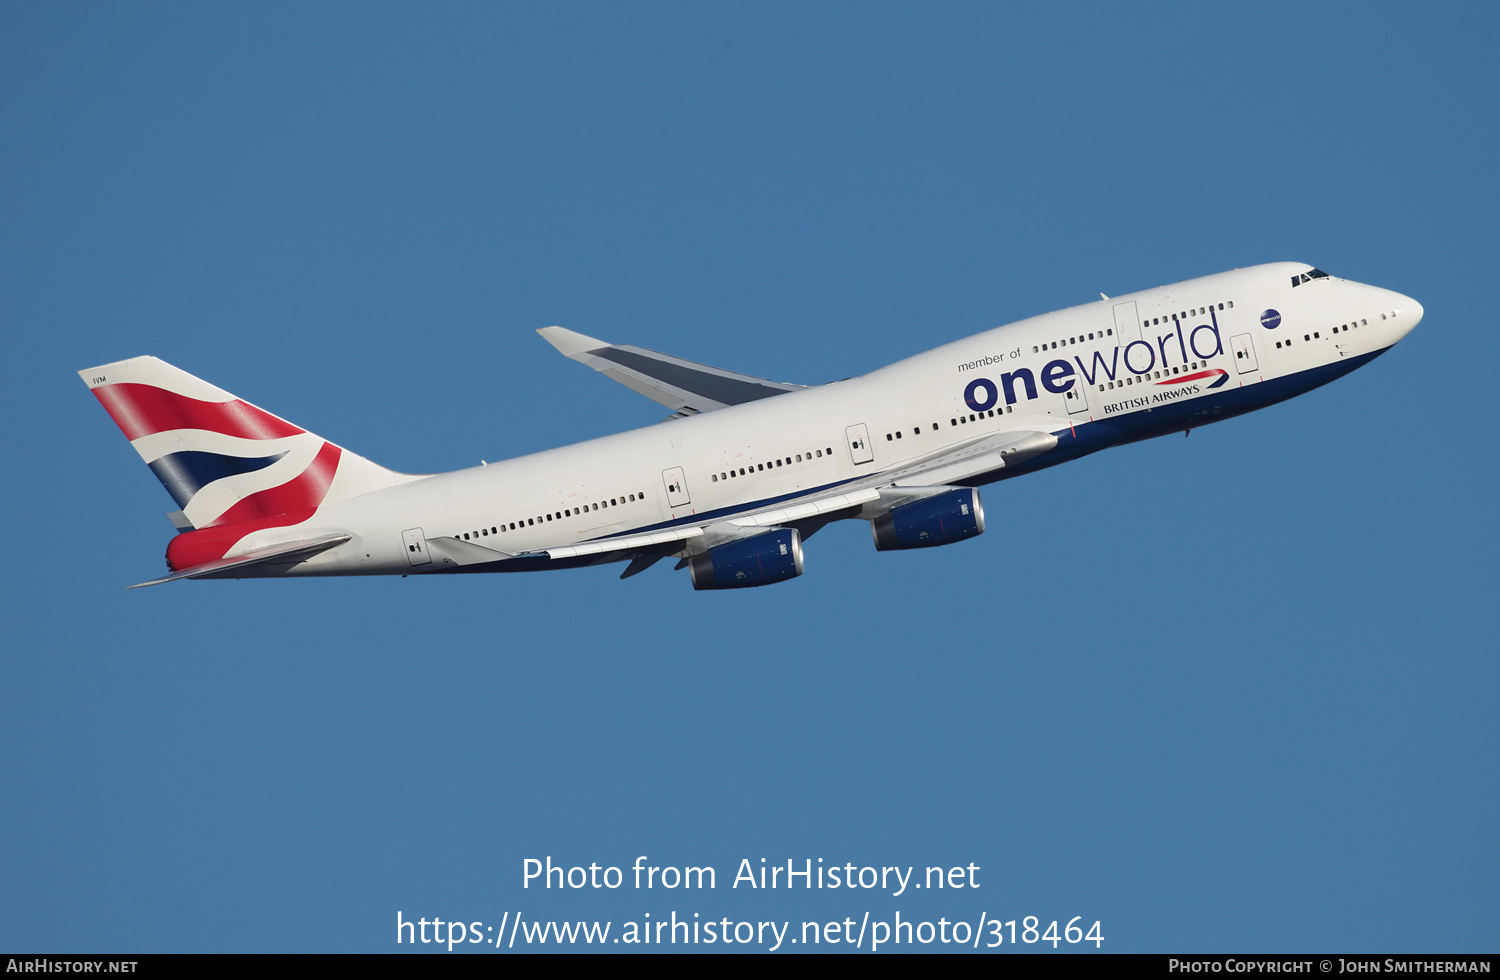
x=223 y=460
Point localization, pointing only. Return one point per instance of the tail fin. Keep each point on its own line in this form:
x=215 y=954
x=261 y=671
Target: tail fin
x=222 y=459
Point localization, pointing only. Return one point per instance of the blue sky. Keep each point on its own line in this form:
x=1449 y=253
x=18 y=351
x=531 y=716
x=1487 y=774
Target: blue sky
x=1234 y=692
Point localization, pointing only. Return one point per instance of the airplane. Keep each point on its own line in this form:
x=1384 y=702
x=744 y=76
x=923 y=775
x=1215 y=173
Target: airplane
x=745 y=469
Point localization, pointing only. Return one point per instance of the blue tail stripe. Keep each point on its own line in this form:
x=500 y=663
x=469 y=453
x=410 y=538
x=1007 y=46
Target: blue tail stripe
x=185 y=473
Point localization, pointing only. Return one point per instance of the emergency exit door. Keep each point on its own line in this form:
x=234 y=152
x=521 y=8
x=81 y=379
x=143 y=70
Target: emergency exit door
x=1243 y=346
x=416 y=546
x=860 y=449
x=677 y=488
x=1127 y=323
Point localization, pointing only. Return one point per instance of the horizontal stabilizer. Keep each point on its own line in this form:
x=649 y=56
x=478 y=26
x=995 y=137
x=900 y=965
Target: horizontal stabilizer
x=280 y=554
x=686 y=387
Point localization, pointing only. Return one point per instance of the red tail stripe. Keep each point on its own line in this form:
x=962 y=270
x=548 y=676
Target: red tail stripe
x=292 y=503
x=300 y=495
x=140 y=410
x=210 y=543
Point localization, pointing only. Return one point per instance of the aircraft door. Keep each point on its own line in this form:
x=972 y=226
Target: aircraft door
x=416 y=546
x=1243 y=346
x=859 y=443
x=1077 y=398
x=1127 y=323
x=677 y=488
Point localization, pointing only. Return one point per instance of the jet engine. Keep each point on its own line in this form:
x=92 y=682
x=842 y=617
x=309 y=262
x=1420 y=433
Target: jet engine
x=940 y=519
x=764 y=559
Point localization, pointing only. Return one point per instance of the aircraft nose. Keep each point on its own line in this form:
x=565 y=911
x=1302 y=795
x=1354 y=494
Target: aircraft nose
x=1407 y=312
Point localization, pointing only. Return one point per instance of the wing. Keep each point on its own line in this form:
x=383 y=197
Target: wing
x=685 y=387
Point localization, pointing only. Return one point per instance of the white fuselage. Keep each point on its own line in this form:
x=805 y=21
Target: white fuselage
x=1124 y=364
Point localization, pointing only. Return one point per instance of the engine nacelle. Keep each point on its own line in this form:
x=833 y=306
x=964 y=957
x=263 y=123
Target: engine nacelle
x=764 y=559
x=931 y=521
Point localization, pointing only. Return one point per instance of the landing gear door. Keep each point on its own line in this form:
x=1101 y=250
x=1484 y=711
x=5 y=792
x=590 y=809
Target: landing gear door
x=1127 y=323
x=416 y=546
x=677 y=488
x=860 y=449
x=1244 y=353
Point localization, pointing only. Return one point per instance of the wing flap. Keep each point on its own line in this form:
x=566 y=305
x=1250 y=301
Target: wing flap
x=811 y=508
x=982 y=456
x=630 y=542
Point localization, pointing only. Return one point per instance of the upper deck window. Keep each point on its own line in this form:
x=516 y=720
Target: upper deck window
x=1309 y=275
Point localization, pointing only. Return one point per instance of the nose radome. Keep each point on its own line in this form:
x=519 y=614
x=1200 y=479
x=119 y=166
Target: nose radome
x=1408 y=312
x=1410 y=308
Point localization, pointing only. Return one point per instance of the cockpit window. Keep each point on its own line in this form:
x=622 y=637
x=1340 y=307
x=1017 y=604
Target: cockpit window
x=1309 y=275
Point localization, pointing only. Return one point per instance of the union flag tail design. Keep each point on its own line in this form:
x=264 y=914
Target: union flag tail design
x=225 y=461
